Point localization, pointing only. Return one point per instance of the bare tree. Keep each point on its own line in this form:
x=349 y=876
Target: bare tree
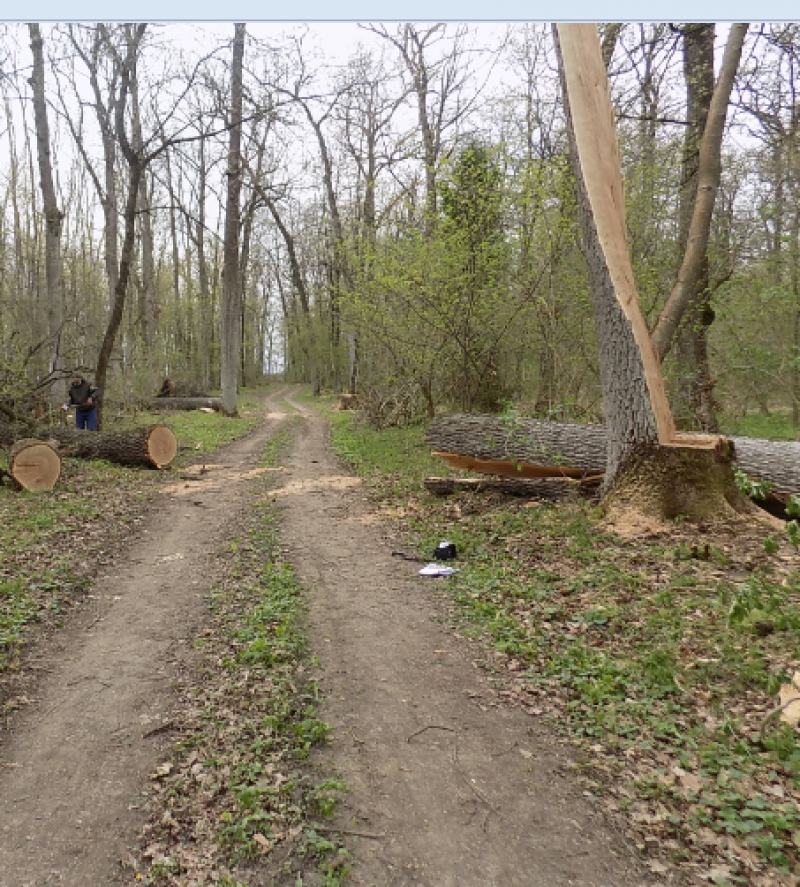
x=231 y=308
x=53 y=215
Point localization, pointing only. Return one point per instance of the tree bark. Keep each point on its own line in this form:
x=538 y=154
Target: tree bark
x=231 y=309
x=626 y=399
x=695 y=406
x=53 y=216
x=182 y=403
x=153 y=445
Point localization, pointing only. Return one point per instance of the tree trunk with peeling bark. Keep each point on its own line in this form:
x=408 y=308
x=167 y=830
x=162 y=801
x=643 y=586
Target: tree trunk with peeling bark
x=651 y=470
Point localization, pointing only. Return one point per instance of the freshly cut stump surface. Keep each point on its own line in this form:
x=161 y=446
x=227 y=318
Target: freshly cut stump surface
x=453 y=791
x=34 y=465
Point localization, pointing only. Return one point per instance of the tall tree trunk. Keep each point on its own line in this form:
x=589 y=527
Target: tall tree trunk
x=231 y=308
x=652 y=470
x=206 y=308
x=53 y=215
x=626 y=400
x=695 y=406
x=134 y=162
x=180 y=343
x=148 y=250
x=709 y=172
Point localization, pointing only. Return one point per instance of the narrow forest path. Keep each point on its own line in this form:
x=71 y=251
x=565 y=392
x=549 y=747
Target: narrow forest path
x=73 y=769
x=445 y=792
x=451 y=793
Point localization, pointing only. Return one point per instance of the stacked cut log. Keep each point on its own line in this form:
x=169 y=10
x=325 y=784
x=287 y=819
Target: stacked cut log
x=565 y=447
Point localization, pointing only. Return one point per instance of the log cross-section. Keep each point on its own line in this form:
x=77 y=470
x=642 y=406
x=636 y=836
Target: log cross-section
x=34 y=465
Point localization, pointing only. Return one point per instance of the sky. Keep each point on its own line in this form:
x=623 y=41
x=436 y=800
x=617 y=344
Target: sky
x=408 y=10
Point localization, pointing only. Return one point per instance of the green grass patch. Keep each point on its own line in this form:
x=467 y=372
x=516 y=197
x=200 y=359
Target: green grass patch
x=658 y=658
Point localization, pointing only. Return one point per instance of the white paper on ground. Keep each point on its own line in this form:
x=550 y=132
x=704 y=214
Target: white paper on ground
x=436 y=570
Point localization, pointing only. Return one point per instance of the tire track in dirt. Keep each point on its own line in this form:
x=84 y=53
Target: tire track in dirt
x=74 y=767
x=451 y=795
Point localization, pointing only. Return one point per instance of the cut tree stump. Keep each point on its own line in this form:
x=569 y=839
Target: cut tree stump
x=182 y=403
x=34 y=464
x=665 y=482
x=154 y=445
x=563 y=445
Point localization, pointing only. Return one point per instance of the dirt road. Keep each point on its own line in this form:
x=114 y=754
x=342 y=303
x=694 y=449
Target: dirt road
x=454 y=795
x=444 y=792
x=72 y=772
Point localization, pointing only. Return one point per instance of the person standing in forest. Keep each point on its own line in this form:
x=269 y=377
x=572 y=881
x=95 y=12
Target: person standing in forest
x=84 y=398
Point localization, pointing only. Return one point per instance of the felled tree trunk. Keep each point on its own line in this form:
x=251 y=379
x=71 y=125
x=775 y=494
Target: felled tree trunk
x=568 y=444
x=154 y=445
x=547 y=490
x=182 y=403
x=34 y=465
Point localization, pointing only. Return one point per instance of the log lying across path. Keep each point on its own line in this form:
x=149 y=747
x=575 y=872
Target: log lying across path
x=154 y=445
x=566 y=446
x=182 y=403
x=34 y=465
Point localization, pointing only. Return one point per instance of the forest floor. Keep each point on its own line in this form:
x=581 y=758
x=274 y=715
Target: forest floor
x=245 y=687
x=169 y=731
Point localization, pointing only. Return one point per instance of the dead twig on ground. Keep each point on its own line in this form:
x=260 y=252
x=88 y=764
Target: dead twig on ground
x=161 y=728
x=477 y=792
x=344 y=831
x=429 y=727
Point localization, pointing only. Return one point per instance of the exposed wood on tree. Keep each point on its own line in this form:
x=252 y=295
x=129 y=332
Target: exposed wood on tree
x=153 y=445
x=507 y=468
x=632 y=405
